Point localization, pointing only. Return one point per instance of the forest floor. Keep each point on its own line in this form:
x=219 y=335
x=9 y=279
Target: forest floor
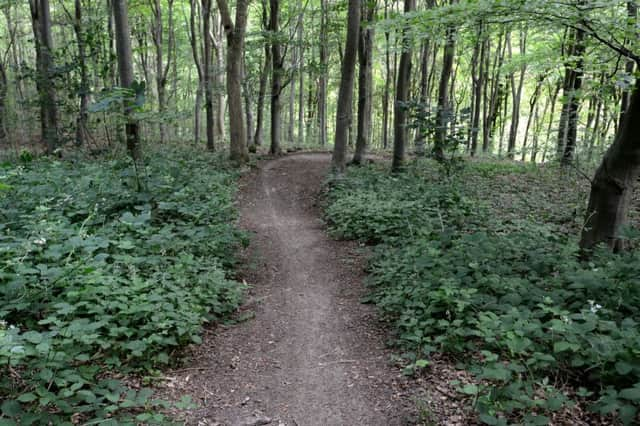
x=305 y=351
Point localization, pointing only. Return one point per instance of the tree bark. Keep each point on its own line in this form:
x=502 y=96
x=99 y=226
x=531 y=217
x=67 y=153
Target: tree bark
x=365 y=80
x=235 y=32
x=208 y=73
x=125 y=69
x=402 y=97
x=277 y=69
x=41 y=21
x=162 y=69
x=264 y=78
x=444 y=110
x=345 y=95
x=516 y=94
x=613 y=184
x=324 y=69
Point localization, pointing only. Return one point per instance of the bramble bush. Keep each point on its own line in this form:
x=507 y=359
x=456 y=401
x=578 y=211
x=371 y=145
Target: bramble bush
x=503 y=292
x=98 y=280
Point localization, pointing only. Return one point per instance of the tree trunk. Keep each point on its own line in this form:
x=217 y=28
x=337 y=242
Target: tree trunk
x=574 y=101
x=125 y=69
x=387 y=83
x=277 y=70
x=632 y=13
x=444 y=110
x=239 y=152
x=301 y=136
x=516 y=94
x=41 y=20
x=613 y=184
x=421 y=138
x=3 y=101
x=345 y=95
x=208 y=73
x=478 y=84
x=324 y=69
x=533 y=102
x=264 y=78
x=365 y=80
x=402 y=97
x=83 y=114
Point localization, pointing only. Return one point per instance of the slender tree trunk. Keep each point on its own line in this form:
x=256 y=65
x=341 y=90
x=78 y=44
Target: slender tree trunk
x=301 y=136
x=345 y=95
x=324 y=70
x=3 y=102
x=632 y=13
x=478 y=84
x=387 y=82
x=574 y=100
x=235 y=32
x=208 y=73
x=195 y=49
x=83 y=114
x=277 y=70
x=402 y=97
x=533 y=102
x=516 y=94
x=444 y=110
x=421 y=138
x=365 y=80
x=125 y=69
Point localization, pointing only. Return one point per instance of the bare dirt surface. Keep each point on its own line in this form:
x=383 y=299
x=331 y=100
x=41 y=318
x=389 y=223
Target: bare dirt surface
x=312 y=354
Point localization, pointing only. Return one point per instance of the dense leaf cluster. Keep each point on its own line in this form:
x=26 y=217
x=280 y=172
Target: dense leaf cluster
x=505 y=293
x=96 y=277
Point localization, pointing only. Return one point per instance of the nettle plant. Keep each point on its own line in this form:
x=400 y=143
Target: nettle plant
x=98 y=280
x=505 y=295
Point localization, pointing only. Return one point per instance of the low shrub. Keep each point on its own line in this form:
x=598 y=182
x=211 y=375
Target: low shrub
x=504 y=293
x=98 y=280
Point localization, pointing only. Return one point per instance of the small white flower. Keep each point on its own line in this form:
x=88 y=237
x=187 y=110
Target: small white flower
x=594 y=307
x=40 y=241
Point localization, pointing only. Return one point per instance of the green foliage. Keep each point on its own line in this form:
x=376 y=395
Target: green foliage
x=503 y=291
x=95 y=277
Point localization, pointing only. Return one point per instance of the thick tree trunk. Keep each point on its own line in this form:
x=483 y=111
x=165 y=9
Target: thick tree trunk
x=613 y=184
x=345 y=95
x=365 y=81
x=41 y=21
x=235 y=32
x=403 y=86
x=125 y=69
x=277 y=69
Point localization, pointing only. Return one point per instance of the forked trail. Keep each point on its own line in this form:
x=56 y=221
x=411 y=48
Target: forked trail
x=312 y=355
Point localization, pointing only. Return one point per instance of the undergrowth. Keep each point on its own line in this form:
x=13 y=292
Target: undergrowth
x=98 y=280
x=483 y=266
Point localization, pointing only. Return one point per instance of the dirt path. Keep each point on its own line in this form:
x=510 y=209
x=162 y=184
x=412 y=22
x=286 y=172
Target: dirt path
x=313 y=355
